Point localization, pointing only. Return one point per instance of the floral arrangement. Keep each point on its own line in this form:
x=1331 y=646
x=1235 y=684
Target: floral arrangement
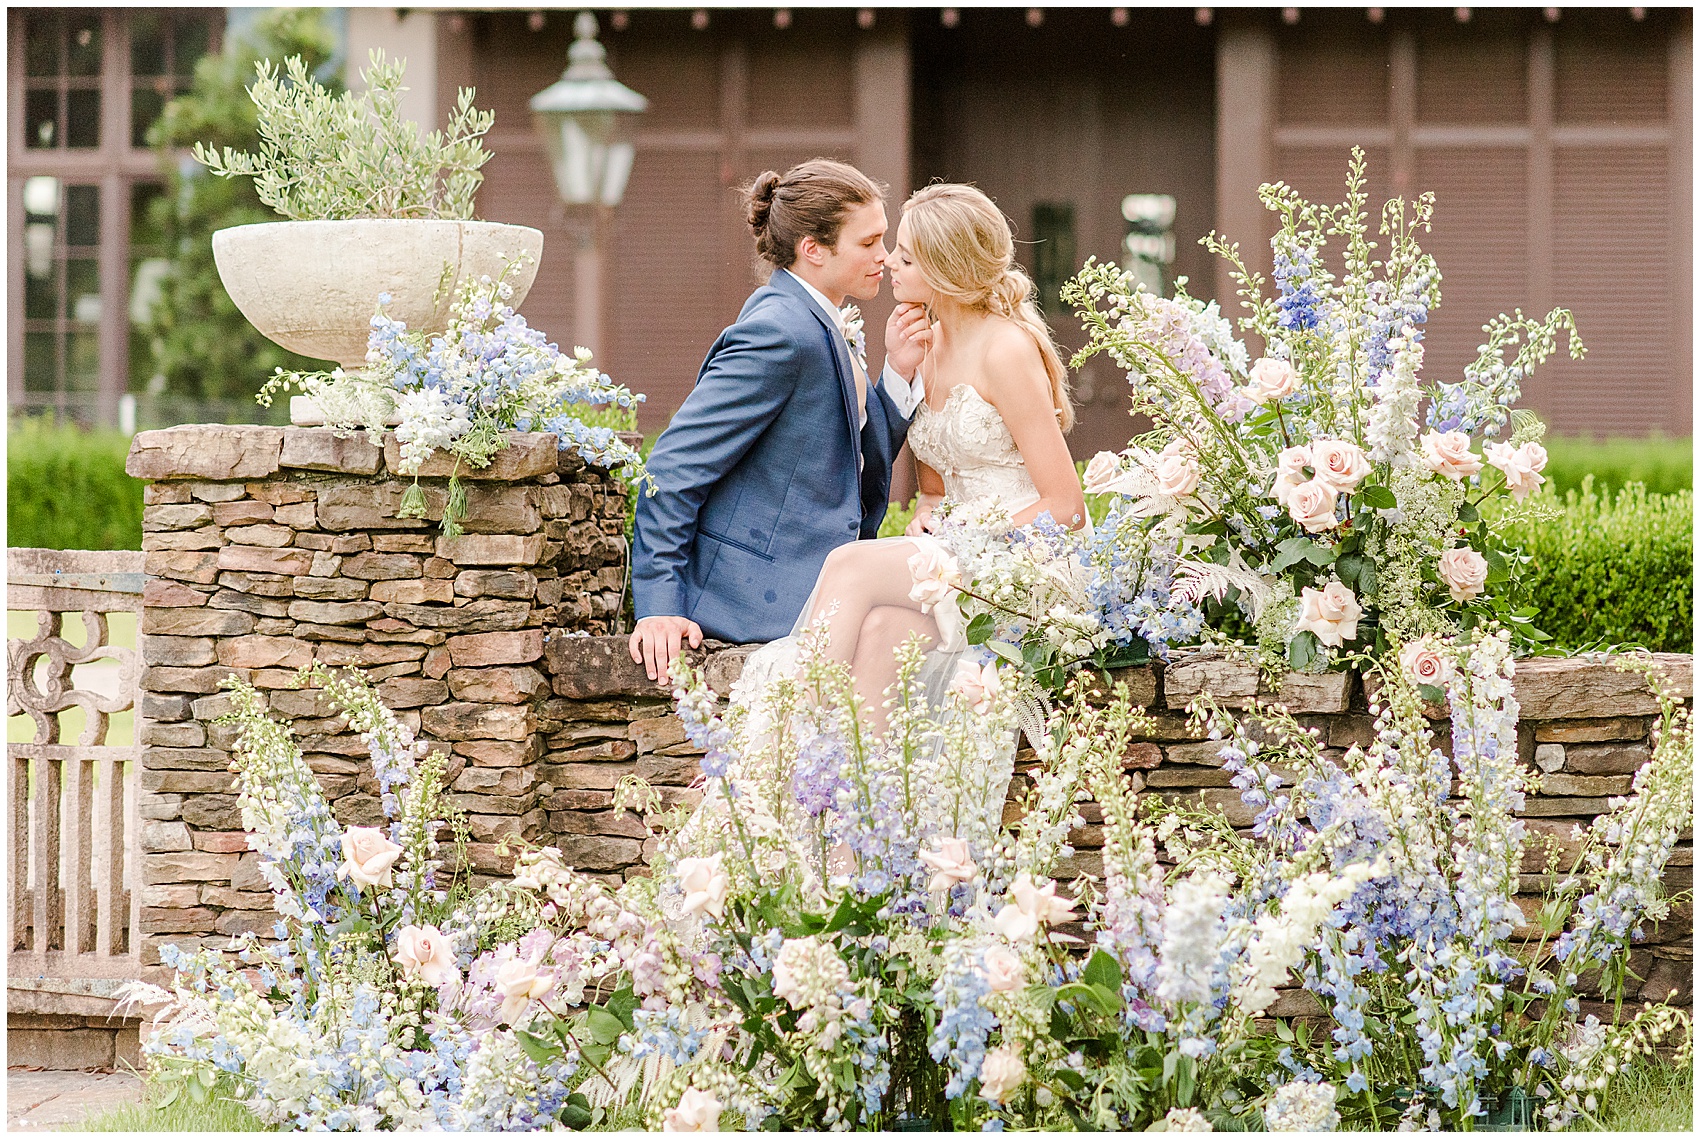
x=487 y=373
x=846 y=936
x=1305 y=499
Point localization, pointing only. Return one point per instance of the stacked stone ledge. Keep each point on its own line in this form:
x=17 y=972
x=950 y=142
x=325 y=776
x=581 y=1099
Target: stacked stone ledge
x=1585 y=729
x=269 y=548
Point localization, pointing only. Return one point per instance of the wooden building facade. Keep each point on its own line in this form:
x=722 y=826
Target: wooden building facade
x=1558 y=142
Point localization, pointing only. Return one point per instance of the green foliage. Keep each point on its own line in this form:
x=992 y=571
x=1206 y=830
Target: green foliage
x=1611 y=569
x=202 y=346
x=66 y=489
x=1664 y=464
x=165 y=1107
x=1650 y=1095
x=326 y=156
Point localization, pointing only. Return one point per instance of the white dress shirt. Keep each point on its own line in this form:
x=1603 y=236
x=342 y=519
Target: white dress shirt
x=907 y=395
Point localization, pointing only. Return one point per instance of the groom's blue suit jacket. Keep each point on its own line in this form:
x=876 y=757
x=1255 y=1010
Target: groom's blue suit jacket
x=757 y=476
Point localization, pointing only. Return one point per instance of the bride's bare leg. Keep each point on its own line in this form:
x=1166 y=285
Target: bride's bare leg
x=859 y=578
x=875 y=666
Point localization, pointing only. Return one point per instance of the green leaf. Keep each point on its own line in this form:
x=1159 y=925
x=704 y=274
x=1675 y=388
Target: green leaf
x=538 y=1048
x=1103 y=971
x=1467 y=513
x=1283 y=1030
x=1348 y=566
x=605 y=1027
x=1319 y=555
x=980 y=629
x=622 y=1004
x=1366 y=579
x=1377 y=497
x=1433 y=693
x=1006 y=650
x=1301 y=651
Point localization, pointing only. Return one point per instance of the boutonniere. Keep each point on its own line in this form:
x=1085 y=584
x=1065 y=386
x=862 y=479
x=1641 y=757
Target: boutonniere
x=851 y=318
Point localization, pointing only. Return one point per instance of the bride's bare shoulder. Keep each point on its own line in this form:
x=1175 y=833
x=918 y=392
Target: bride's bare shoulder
x=1012 y=363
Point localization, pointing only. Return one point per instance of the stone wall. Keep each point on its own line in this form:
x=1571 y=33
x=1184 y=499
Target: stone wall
x=268 y=548
x=1585 y=729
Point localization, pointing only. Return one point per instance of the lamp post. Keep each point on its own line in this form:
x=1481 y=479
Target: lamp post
x=586 y=120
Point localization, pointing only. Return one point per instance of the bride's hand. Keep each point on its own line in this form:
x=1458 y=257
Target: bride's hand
x=908 y=336
x=922 y=523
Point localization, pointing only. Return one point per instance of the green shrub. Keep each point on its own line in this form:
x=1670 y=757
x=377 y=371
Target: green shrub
x=1664 y=464
x=1613 y=569
x=66 y=489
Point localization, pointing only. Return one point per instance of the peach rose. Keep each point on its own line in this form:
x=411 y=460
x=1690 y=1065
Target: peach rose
x=423 y=950
x=1001 y=1072
x=978 y=685
x=520 y=982
x=1424 y=664
x=950 y=864
x=1033 y=906
x=1331 y=613
x=1270 y=380
x=697 y=1111
x=936 y=576
x=1522 y=466
x=1004 y=970
x=1464 y=571
x=1176 y=469
x=1311 y=505
x=367 y=856
x=1448 y=453
x=704 y=884
x=1339 y=463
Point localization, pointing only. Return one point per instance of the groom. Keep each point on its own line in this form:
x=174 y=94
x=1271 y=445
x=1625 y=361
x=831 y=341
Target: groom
x=783 y=450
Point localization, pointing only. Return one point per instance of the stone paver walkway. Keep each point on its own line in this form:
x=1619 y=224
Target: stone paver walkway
x=52 y=1101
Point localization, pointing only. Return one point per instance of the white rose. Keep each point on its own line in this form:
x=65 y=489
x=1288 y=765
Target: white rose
x=1177 y=469
x=704 y=884
x=367 y=856
x=1001 y=1072
x=697 y=1111
x=1270 y=380
x=1289 y=473
x=1102 y=472
x=1522 y=466
x=1339 y=463
x=1331 y=613
x=422 y=949
x=950 y=864
x=1424 y=664
x=935 y=574
x=978 y=685
x=1448 y=453
x=1004 y=970
x=1311 y=505
x=520 y=983
x=1464 y=571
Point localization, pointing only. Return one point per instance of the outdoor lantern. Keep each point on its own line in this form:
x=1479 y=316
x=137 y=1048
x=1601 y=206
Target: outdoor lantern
x=585 y=120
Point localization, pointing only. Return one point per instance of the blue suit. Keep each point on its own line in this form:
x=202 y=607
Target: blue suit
x=757 y=476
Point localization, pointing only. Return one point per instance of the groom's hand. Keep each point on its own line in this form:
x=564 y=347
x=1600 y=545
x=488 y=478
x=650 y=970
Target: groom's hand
x=908 y=335
x=657 y=642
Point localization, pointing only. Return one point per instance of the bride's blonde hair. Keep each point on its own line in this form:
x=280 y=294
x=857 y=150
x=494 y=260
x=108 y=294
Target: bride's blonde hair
x=963 y=247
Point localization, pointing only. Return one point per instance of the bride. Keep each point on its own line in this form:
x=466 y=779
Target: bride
x=988 y=442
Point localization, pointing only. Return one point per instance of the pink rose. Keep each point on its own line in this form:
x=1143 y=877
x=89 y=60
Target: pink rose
x=1032 y=907
x=697 y=1111
x=1177 y=469
x=1464 y=571
x=422 y=950
x=1424 y=664
x=950 y=864
x=520 y=982
x=978 y=686
x=1270 y=380
x=1311 y=504
x=1103 y=472
x=704 y=884
x=1522 y=466
x=1004 y=970
x=367 y=856
x=936 y=576
x=1448 y=453
x=1331 y=613
x=1289 y=473
x=1338 y=463
x=1001 y=1072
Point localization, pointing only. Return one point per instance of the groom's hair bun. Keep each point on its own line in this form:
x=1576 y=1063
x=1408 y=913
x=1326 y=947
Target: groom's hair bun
x=809 y=200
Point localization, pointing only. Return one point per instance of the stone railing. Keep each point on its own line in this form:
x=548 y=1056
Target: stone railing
x=268 y=548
